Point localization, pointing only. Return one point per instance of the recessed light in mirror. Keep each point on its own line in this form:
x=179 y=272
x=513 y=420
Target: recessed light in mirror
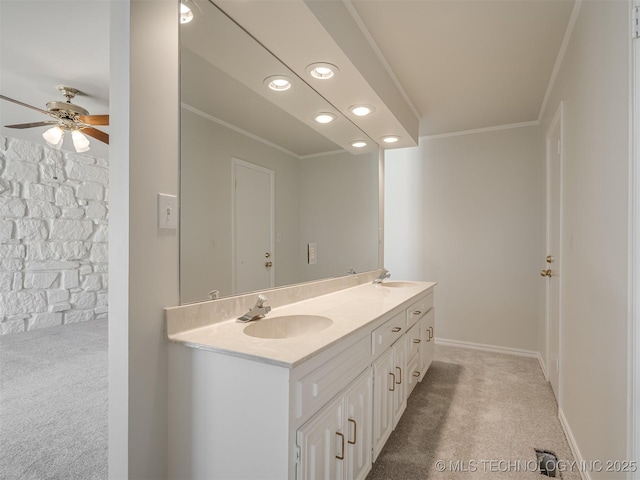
x=359 y=144
x=322 y=71
x=361 y=110
x=390 y=139
x=278 y=83
x=324 y=117
x=186 y=15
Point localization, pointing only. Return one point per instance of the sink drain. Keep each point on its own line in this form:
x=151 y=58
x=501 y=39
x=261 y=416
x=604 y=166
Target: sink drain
x=547 y=463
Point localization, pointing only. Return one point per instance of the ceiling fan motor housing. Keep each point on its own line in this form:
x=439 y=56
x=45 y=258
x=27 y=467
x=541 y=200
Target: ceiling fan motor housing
x=66 y=109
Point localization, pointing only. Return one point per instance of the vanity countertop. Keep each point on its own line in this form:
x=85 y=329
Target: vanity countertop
x=350 y=309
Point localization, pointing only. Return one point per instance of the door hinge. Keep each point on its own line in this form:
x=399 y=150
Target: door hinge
x=635 y=22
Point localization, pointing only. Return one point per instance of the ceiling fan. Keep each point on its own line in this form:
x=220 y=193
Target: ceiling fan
x=67 y=116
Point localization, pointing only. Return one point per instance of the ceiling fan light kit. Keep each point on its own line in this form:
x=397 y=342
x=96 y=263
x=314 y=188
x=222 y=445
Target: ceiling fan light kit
x=54 y=137
x=68 y=116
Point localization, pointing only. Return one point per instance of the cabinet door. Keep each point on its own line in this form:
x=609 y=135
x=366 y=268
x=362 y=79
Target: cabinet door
x=358 y=427
x=383 y=388
x=400 y=370
x=429 y=337
x=323 y=444
x=424 y=345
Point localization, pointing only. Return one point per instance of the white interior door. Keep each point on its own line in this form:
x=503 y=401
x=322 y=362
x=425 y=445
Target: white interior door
x=252 y=206
x=552 y=270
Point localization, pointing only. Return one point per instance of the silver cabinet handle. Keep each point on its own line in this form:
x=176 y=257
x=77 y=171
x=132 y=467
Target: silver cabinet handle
x=355 y=432
x=341 y=457
x=416 y=373
x=417 y=312
x=399 y=375
x=416 y=340
x=396 y=329
x=393 y=383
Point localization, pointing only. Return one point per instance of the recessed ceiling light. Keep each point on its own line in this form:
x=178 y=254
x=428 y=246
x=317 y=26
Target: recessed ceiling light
x=324 y=117
x=279 y=83
x=361 y=110
x=390 y=139
x=186 y=15
x=358 y=144
x=322 y=71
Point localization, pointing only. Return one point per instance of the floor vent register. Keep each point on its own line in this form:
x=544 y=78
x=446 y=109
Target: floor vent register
x=548 y=463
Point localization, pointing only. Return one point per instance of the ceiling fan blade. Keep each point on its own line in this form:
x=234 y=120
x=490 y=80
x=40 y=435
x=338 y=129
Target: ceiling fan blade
x=46 y=112
x=97 y=134
x=95 y=119
x=31 y=125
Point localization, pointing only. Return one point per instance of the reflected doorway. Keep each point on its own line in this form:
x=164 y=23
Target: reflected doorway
x=253 y=225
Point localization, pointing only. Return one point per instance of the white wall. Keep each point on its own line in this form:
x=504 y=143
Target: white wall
x=594 y=84
x=339 y=212
x=143 y=260
x=468 y=212
x=53 y=236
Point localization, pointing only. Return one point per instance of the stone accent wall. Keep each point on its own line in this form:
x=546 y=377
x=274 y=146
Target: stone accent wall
x=53 y=236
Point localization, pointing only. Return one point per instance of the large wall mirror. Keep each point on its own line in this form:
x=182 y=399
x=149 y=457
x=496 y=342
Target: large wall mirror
x=259 y=186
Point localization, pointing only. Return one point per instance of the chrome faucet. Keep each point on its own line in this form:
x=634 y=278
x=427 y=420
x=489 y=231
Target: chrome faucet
x=384 y=274
x=258 y=311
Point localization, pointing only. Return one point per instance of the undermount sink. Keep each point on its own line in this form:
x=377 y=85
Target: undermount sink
x=287 y=326
x=396 y=284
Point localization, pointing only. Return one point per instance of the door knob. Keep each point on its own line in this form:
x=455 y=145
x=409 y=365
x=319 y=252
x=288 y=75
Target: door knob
x=268 y=264
x=267 y=255
x=545 y=273
x=550 y=259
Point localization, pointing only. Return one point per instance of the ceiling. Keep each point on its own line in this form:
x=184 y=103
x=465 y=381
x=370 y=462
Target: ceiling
x=463 y=64
x=45 y=43
x=469 y=64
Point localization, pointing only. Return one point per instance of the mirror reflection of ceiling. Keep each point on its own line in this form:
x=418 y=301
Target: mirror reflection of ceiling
x=239 y=106
x=281 y=118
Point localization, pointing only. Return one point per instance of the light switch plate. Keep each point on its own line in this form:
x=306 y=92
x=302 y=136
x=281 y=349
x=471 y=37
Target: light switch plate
x=312 y=253
x=167 y=211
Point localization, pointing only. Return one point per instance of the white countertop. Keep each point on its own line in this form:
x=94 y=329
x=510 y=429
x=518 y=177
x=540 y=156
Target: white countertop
x=350 y=310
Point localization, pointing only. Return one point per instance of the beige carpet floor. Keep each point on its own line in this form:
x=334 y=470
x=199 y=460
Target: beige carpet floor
x=53 y=403
x=476 y=415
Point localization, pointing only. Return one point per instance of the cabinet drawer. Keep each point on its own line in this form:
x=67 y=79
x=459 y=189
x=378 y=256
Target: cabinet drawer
x=419 y=308
x=413 y=338
x=413 y=372
x=319 y=386
x=387 y=333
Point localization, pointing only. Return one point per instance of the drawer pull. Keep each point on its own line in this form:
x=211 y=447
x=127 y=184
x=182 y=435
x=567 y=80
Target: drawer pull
x=393 y=382
x=341 y=457
x=416 y=373
x=396 y=329
x=399 y=375
x=416 y=340
x=417 y=312
x=355 y=432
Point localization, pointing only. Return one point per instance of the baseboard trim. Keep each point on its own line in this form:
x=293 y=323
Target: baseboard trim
x=577 y=455
x=495 y=349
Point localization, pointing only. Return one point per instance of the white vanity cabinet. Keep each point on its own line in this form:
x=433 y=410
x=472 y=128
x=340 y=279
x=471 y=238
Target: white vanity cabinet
x=336 y=442
x=428 y=352
x=415 y=356
x=421 y=320
x=389 y=341
x=326 y=413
